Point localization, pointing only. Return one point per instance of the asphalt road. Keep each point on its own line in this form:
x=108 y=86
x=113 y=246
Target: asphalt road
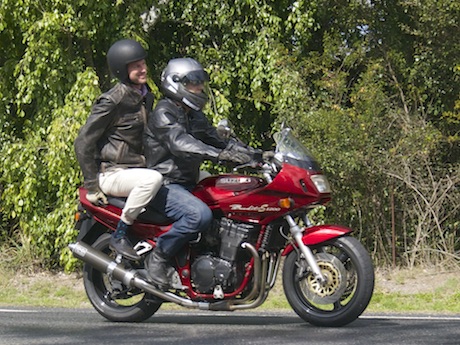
x=66 y=326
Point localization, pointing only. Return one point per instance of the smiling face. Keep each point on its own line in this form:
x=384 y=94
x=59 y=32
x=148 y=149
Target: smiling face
x=137 y=72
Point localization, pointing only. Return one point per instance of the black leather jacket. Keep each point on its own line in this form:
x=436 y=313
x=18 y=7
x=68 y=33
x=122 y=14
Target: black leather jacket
x=178 y=141
x=112 y=135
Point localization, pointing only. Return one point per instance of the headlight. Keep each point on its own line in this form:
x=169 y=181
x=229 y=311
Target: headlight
x=321 y=183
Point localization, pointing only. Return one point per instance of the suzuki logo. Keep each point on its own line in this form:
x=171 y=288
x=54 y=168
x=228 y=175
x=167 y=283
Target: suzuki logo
x=234 y=180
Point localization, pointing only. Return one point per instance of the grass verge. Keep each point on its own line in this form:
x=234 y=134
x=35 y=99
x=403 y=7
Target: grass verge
x=42 y=289
x=396 y=291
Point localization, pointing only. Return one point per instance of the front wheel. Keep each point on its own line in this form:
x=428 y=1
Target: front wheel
x=111 y=298
x=348 y=290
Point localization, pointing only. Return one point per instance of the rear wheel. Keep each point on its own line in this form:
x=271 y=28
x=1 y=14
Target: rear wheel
x=348 y=290
x=111 y=298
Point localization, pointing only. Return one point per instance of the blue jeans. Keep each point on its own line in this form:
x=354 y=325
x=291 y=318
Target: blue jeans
x=191 y=216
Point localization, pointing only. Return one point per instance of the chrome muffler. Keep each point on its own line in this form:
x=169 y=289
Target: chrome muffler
x=132 y=278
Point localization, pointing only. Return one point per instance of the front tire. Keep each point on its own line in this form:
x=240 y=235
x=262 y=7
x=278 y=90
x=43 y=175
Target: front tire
x=111 y=298
x=349 y=288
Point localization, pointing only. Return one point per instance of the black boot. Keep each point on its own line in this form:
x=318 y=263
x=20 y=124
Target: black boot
x=158 y=268
x=121 y=244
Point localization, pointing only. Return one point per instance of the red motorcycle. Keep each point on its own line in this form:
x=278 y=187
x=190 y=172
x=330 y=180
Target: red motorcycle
x=259 y=222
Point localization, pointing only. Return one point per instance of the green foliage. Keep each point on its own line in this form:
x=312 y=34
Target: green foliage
x=370 y=87
x=40 y=173
x=359 y=109
x=241 y=45
x=47 y=85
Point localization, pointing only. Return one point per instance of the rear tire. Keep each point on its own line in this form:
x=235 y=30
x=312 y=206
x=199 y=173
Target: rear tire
x=349 y=288
x=111 y=298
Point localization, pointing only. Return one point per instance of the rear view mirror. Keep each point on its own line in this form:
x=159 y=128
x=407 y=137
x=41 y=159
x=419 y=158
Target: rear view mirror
x=224 y=129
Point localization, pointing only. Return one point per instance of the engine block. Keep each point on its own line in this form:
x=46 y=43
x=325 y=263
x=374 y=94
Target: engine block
x=208 y=272
x=232 y=235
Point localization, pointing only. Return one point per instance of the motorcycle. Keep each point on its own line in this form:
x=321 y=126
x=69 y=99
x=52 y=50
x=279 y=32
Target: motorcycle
x=260 y=221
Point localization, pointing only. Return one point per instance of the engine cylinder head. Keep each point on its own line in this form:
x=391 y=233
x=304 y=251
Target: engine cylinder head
x=232 y=235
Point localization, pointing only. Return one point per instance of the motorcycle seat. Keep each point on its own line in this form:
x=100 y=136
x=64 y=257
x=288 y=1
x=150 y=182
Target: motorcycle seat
x=150 y=215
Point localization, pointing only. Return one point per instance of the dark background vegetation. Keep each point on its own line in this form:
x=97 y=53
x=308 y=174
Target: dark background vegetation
x=371 y=87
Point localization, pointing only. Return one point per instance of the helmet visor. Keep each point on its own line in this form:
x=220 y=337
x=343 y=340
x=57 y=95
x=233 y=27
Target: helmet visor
x=195 y=77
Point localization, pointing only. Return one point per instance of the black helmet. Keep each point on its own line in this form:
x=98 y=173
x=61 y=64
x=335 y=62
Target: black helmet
x=177 y=74
x=120 y=54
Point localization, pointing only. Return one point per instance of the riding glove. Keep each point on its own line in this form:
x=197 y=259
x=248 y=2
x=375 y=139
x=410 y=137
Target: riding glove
x=97 y=198
x=233 y=154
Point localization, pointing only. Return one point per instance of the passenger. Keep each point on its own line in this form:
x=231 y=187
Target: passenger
x=109 y=146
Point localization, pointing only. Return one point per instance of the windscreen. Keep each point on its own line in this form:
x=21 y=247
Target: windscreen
x=293 y=150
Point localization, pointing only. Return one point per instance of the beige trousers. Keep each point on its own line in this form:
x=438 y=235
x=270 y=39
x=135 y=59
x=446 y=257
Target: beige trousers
x=139 y=185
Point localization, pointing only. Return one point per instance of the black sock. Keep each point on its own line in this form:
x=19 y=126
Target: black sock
x=122 y=229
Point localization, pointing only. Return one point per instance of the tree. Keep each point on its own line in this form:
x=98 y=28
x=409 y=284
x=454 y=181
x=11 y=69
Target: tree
x=370 y=86
x=52 y=68
x=370 y=103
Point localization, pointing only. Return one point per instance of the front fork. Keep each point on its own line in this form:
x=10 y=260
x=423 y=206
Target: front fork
x=297 y=234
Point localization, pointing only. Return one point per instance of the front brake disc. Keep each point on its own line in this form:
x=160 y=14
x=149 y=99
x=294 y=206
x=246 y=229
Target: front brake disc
x=336 y=280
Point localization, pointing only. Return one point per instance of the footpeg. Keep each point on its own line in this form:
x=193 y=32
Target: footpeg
x=175 y=280
x=142 y=247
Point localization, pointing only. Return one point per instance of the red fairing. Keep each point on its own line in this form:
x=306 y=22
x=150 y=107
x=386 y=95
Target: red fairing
x=109 y=216
x=214 y=189
x=319 y=234
x=249 y=198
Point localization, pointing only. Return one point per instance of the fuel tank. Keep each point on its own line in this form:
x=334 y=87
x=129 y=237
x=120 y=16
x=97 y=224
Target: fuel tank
x=214 y=189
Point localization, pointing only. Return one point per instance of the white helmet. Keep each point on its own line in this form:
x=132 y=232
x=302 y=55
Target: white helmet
x=175 y=77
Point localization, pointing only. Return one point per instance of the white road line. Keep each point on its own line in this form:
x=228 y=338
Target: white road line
x=406 y=317
x=17 y=311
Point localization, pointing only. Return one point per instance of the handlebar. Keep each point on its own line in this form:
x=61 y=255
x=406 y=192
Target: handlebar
x=267 y=164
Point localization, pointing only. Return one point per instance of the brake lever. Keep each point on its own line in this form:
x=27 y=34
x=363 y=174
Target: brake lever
x=252 y=164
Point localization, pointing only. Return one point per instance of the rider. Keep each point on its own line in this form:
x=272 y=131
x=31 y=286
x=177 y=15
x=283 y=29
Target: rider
x=109 y=146
x=178 y=139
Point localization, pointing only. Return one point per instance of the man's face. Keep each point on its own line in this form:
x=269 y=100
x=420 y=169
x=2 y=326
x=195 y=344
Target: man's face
x=137 y=72
x=195 y=88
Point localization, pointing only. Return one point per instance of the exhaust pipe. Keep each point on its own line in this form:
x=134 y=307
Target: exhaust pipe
x=131 y=278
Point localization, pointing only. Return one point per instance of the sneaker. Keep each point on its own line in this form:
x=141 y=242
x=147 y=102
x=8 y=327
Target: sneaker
x=123 y=246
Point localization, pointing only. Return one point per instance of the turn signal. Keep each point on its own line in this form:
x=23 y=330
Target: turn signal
x=286 y=203
x=77 y=216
